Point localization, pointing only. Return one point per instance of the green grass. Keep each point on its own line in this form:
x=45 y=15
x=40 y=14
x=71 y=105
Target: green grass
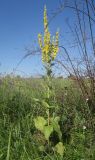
x=19 y=139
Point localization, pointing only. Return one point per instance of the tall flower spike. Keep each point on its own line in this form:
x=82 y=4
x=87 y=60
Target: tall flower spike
x=45 y=20
x=49 y=45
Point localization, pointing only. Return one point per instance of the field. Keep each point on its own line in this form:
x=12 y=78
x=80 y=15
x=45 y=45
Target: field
x=20 y=140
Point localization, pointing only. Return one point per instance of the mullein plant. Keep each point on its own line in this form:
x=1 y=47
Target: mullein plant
x=50 y=123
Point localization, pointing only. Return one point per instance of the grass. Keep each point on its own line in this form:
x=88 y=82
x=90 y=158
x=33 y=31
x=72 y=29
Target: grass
x=19 y=140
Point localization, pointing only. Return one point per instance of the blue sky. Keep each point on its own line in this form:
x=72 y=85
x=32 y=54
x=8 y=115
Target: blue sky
x=20 y=23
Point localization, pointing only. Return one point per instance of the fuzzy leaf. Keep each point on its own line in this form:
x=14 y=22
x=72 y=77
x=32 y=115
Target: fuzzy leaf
x=40 y=122
x=51 y=106
x=45 y=104
x=47 y=131
x=41 y=148
x=56 y=126
x=57 y=119
x=59 y=148
x=36 y=100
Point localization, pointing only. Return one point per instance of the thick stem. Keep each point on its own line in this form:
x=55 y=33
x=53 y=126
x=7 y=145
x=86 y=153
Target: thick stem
x=48 y=124
x=49 y=74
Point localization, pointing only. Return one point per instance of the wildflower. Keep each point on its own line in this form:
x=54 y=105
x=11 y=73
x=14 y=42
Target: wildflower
x=49 y=46
x=45 y=20
x=40 y=40
x=87 y=99
x=84 y=127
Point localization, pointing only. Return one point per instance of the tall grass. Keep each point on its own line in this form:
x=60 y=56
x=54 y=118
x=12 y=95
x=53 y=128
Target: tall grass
x=18 y=137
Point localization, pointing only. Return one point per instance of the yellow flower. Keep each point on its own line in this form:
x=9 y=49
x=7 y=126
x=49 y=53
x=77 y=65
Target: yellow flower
x=45 y=49
x=40 y=40
x=45 y=20
x=56 y=38
x=46 y=38
x=49 y=46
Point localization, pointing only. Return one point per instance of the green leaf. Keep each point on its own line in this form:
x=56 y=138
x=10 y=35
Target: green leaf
x=51 y=106
x=59 y=148
x=57 y=119
x=56 y=126
x=47 y=131
x=40 y=122
x=57 y=129
x=42 y=148
x=36 y=100
x=45 y=104
x=47 y=111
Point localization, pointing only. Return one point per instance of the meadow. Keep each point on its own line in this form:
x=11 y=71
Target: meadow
x=20 y=140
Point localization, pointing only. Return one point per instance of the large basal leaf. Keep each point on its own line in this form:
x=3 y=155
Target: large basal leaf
x=40 y=122
x=59 y=148
x=57 y=129
x=47 y=131
x=56 y=126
